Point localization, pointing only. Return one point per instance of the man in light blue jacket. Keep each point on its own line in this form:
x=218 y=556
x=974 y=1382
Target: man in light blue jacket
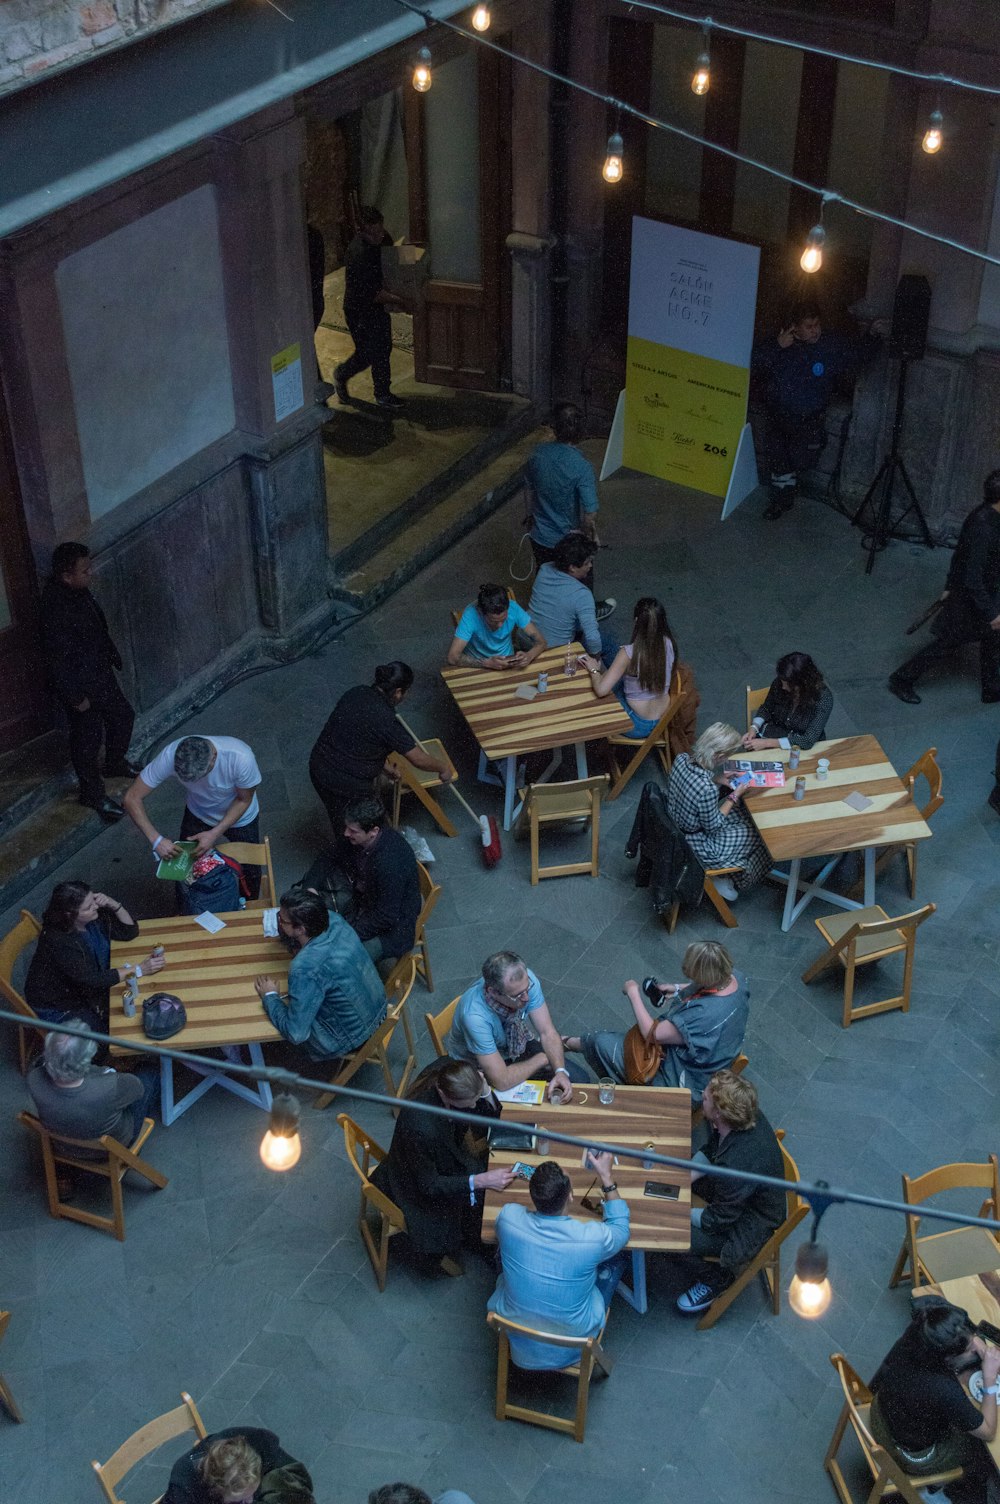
x=559 y=1272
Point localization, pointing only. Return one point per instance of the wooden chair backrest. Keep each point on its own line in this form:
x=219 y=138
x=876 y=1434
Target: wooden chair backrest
x=927 y=767
x=794 y=1203
x=573 y=800
x=858 y=1397
x=755 y=699
x=658 y=736
x=371 y=1154
x=13 y=943
x=54 y=1144
x=4 y=1323
x=504 y=1323
x=146 y=1440
x=430 y=892
x=255 y=854
x=875 y=927
x=399 y=982
x=984 y=1177
x=439 y=1025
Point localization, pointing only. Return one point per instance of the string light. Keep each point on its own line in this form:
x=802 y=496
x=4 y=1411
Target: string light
x=702 y=78
x=612 y=169
x=281 y=1147
x=481 y=18
x=932 y=135
x=422 y=79
x=809 y=1293
x=812 y=257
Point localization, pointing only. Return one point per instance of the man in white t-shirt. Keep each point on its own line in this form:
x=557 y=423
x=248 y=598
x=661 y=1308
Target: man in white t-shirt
x=220 y=777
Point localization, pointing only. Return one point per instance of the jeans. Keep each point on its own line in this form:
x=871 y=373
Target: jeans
x=609 y=1274
x=192 y=826
x=384 y=964
x=110 y=716
x=641 y=727
x=371 y=332
x=149 y=1076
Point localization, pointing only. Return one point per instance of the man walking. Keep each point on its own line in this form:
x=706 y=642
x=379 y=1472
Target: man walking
x=563 y=494
x=82 y=660
x=971 y=609
x=366 y=309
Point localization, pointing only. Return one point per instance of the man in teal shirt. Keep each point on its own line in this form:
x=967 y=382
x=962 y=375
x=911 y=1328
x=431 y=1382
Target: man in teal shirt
x=495 y=632
x=335 y=999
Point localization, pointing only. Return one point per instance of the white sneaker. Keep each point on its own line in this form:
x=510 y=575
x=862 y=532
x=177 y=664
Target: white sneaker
x=725 y=887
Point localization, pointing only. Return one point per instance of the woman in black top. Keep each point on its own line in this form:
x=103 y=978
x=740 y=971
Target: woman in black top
x=236 y=1466
x=71 y=975
x=361 y=732
x=920 y=1412
x=796 y=709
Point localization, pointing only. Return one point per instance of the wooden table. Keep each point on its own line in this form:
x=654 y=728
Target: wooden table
x=639 y=1116
x=507 y=728
x=821 y=824
x=979 y=1294
x=213 y=976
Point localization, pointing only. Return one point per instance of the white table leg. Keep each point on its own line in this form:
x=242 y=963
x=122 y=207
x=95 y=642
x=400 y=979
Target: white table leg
x=869 y=876
x=791 y=893
x=636 y=1293
x=581 y=759
x=510 y=790
x=167 y=1112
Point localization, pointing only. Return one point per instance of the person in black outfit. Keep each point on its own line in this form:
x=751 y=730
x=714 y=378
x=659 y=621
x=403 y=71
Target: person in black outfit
x=796 y=709
x=236 y=1466
x=317 y=272
x=366 y=309
x=385 y=883
x=971 y=609
x=738 y=1217
x=360 y=733
x=435 y=1171
x=994 y=798
x=70 y=975
x=800 y=371
x=82 y=660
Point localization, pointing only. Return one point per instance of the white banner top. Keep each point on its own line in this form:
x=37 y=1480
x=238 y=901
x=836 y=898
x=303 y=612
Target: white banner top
x=692 y=291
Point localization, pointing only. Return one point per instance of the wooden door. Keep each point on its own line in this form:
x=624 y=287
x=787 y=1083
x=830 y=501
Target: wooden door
x=460 y=337
x=25 y=709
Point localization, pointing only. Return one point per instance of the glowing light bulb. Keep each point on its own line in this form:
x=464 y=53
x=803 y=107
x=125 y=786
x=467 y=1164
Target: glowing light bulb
x=612 y=169
x=702 y=77
x=281 y=1147
x=481 y=18
x=809 y=1294
x=422 y=71
x=812 y=257
x=932 y=135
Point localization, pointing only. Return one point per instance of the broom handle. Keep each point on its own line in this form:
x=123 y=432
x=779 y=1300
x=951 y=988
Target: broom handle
x=460 y=797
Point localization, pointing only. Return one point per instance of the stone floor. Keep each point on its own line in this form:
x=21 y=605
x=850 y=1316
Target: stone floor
x=253 y=1291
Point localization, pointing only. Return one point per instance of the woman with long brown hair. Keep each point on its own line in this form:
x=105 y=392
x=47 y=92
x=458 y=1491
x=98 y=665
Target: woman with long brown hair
x=641 y=671
x=796 y=709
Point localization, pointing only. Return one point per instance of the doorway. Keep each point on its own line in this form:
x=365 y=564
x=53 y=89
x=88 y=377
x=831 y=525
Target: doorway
x=24 y=704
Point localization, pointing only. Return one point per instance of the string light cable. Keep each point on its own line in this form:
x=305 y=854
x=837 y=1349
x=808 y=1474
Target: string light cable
x=828 y=195
x=284 y=1123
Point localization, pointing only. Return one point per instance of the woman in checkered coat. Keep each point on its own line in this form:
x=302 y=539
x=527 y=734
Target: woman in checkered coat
x=719 y=832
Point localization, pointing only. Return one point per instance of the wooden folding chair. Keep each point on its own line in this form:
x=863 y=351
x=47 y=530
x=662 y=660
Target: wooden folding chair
x=375 y=1048
x=861 y=936
x=552 y=803
x=657 y=741
x=145 y=1441
x=255 y=854
x=6 y=1397
x=737 y=1066
x=114 y=1167
x=13 y=943
x=430 y=892
x=888 y=1477
x=959 y=1250
x=420 y=781
x=755 y=699
x=391 y=1219
x=767 y=1262
x=592 y=1355
x=714 y=897
x=439 y=1025
x=925 y=767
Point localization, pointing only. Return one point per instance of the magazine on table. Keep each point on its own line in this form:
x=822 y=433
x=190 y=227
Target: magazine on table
x=532 y=1092
x=763 y=774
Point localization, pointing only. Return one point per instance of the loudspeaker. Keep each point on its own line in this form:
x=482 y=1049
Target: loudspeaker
x=910 y=313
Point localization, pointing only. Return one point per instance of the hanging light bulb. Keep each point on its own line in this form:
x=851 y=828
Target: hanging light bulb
x=932 y=135
x=612 y=169
x=702 y=77
x=481 y=18
x=281 y=1147
x=422 y=71
x=809 y=1294
x=812 y=257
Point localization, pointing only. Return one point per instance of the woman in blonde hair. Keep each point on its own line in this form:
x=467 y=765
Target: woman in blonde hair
x=238 y=1466
x=701 y=1030
x=718 y=829
x=641 y=670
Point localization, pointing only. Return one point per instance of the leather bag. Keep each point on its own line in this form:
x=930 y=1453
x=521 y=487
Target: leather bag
x=643 y=1057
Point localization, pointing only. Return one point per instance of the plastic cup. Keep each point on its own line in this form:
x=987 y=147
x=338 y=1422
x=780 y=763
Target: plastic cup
x=606 y=1091
x=823 y=768
x=570 y=667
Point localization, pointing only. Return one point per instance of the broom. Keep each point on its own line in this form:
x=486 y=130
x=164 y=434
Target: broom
x=489 y=830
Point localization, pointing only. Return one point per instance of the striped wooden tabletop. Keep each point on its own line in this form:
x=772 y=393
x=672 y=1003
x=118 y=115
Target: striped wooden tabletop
x=504 y=726
x=639 y=1115
x=213 y=976
x=979 y=1294
x=822 y=823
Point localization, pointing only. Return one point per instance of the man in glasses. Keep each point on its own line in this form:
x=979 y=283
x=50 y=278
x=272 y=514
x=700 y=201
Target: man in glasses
x=503 y=1025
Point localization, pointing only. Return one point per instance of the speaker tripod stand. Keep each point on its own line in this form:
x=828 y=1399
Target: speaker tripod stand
x=881 y=525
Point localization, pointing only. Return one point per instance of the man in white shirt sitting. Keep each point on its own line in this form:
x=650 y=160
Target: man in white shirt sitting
x=220 y=777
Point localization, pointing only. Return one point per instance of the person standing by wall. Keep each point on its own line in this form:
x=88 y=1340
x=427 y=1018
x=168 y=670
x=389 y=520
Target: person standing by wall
x=366 y=309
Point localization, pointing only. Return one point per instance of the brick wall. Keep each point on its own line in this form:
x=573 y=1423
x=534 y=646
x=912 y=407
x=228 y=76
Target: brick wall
x=37 y=36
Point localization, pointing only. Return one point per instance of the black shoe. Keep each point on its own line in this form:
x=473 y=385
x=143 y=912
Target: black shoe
x=108 y=809
x=903 y=690
x=994 y=800
x=340 y=387
x=781 y=502
x=391 y=401
x=122 y=770
x=991 y=699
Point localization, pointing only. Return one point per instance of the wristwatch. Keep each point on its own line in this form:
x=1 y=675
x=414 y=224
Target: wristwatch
x=607 y=1189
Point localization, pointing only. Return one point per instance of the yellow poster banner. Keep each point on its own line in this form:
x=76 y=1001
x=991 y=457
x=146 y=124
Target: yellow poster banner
x=683 y=415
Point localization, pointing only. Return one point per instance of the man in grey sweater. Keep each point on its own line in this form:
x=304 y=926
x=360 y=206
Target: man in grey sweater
x=82 y=1100
x=562 y=607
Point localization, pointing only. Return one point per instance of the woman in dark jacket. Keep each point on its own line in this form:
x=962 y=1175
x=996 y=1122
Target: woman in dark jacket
x=738 y=1216
x=71 y=975
x=796 y=709
x=434 y=1168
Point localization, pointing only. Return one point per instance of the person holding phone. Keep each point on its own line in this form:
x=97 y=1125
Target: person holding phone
x=495 y=632
x=718 y=829
x=735 y=1218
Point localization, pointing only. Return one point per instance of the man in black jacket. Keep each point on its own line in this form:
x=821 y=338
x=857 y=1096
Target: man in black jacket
x=385 y=883
x=366 y=309
x=971 y=609
x=235 y=1466
x=82 y=660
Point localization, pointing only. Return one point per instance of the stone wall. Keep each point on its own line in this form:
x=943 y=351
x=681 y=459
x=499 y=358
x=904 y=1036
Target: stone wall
x=37 y=36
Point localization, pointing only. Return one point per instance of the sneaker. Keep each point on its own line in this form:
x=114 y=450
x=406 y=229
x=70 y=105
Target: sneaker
x=391 y=401
x=903 y=690
x=724 y=885
x=695 y=1300
x=340 y=387
x=603 y=609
